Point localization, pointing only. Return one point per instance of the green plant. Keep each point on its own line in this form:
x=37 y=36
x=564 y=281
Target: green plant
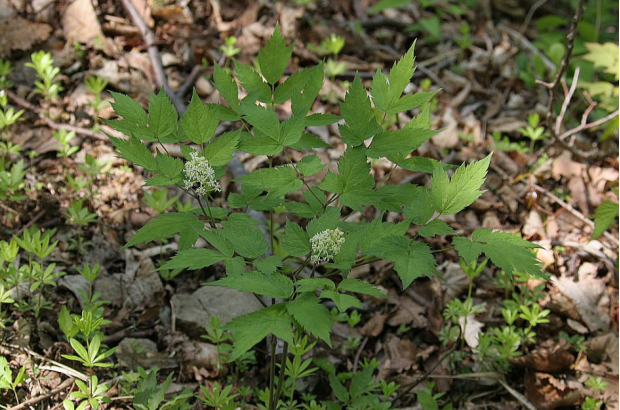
x=96 y=85
x=158 y=200
x=6 y=377
x=79 y=215
x=64 y=138
x=5 y=70
x=228 y=48
x=12 y=181
x=313 y=232
x=91 y=394
x=502 y=143
x=331 y=45
x=606 y=214
x=533 y=130
x=43 y=64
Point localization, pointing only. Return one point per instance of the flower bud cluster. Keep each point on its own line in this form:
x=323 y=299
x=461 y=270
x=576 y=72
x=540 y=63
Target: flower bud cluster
x=326 y=245
x=198 y=171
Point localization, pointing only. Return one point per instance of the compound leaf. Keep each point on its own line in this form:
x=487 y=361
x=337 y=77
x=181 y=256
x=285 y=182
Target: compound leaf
x=358 y=286
x=450 y=196
x=200 y=120
x=273 y=286
x=162 y=115
x=605 y=214
x=166 y=225
x=507 y=251
x=193 y=259
x=219 y=151
x=274 y=57
x=358 y=113
x=250 y=329
x=227 y=87
x=313 y=317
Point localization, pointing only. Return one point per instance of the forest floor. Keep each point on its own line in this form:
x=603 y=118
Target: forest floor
x=484 y=56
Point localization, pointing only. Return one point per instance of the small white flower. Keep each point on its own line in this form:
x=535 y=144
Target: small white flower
x=198 y=171
x=326 y=245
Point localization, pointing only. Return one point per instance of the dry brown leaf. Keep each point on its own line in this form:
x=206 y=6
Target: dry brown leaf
x=547 y=393
x=375 y=325
x=20 y=34
x=408 y=312
x=449 y=137
x=79 y=22
x=551 y=357
x=174 y=13
x=588 y=296
x=401 y=352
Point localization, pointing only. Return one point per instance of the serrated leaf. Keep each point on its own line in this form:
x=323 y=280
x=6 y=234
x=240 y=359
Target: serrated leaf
x=403 y=140
x=162 y=115
x=274 y=286
x=328 y=220
x=295 y=241
x=200 y=120
x=274 y=57
x=219 y=151
x=507 y=251
x=257 y=89
x=167 y=225
x=309 y=141
x=263 y=119
x=259 y=145
x=301 y=103
x=134 y=151
x=193 y=259
x=291 y=130
x=393 y=197
x=312 y=284
x=410 y=101
x=170 y=171
x=420 y=210
x=280 y=181
x=342 y=301
x=320 y=119
x=450 y=196
x=361 y=123
x=129 y=109
x=358 y=286
x=310 y=165
x=605 y=215
x=354 y=182
x=252 y=197
x=435 y=227
x=269 y=265
x=219 y=242
x=250 y=329
x=313 y=317
x=411 y=259
x=247 y=240
x=227 y=87
x=420 y=164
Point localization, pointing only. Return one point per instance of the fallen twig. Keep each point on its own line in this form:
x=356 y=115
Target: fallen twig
x=54 y=125
x=573 y=211
x=158 y=67
x=64 y=385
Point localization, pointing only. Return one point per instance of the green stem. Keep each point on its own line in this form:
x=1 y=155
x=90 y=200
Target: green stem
x=272 y=373
x=282 y=370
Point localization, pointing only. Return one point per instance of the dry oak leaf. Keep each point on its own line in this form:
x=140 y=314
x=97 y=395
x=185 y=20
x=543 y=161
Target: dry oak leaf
x=20 y=34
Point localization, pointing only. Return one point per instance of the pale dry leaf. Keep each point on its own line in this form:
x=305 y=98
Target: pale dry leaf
x=20 y=34
x=454 y=282
x=588 y=295
x=449 y=137
x=79 y=22
x=471 y=329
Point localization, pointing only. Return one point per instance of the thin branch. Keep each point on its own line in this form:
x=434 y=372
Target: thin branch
x=589 y=125
x=158 y=67
x=54 y=125
x=567 y=97
x=28 y=403
x=573 y=211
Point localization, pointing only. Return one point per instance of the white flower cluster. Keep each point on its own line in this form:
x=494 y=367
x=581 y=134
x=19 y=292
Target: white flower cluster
x=198 y=171
x=326 y=245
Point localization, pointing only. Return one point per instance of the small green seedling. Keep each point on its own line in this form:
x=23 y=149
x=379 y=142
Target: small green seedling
x=43 y=64
x=64 y=138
